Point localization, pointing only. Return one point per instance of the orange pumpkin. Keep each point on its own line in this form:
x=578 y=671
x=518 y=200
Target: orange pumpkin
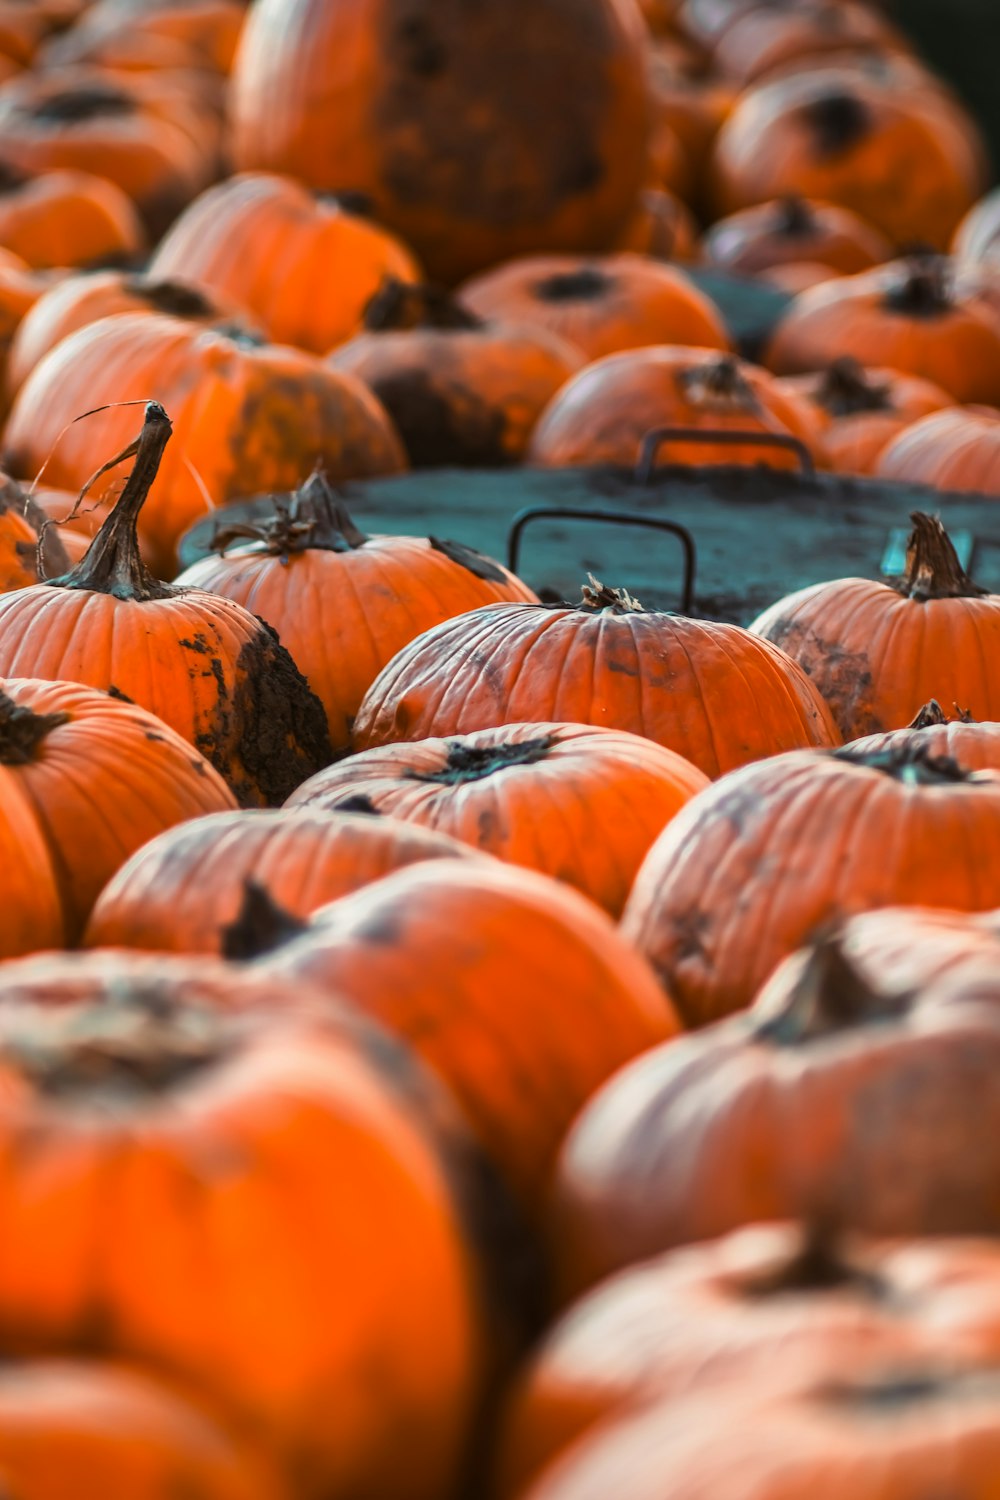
x=581 y=804
x=25 y=540
x=184 y=891
x=68 y=218
x=208 y=668
x=972 y=744
x=305 y=265
x=604 y=413
x=344 y=603
x=516 y=991
x=415 y=120
x=32 y=910
x=138 y=1087
x=910 y=315
x=250 y=417
x=806 y=33
x=859 y=411
x=878 y=651
x=599 y=305
x=898 y=157
x=204 y=33
x=460 y=391
x=701 y=689
x=956 y=449
x=789 y=230
x=661 y=226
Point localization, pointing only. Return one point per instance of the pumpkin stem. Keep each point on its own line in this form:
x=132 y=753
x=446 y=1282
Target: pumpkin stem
x=924 y=290
x=838 y=121
x=260 y=926
x=830 y=996
x=587 y=284
x=912 y=764
x=846 y=390
x=112 y=564
x=22 y=731
x=930 y=715
x=474 y=762
x=818 y=1264
x=358 y=802
x=403 y=305
x=313 y=519
x=794 y=219
x=597 y=598
x=720 y=382
x=175 y=298
x=933 y=570
x=89 y=103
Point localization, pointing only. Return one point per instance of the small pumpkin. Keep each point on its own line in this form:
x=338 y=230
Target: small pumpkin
x=878 y=651
x=516 y=991
x=460 y=391
x=28 y=548
x=186 y=891
x=579 y=803
x=910 y=315
x=304 y=264
x=956 y=449
x=959 y=736
x=68 y=218
x=860 y=410
x=603 y=414
x=789 y=230
x=344 y=603
x=601 y=305
x=756 y=865
x=205 y=666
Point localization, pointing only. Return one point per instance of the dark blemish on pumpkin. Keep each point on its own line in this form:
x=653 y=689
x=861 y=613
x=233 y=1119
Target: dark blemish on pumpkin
x=116 y=692
x=260 y=926
x=277 y=724
x=439 y=429
x=623 y=668
x=198 y=643
x=220 y=677
x=154 y=738
x=425 y=54
x=843 y=677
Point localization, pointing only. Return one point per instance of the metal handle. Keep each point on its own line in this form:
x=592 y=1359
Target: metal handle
x=612 y=518
x=651 y=443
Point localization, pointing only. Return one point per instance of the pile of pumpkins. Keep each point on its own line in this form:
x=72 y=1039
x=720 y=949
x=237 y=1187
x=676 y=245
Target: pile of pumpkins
x=448 y=1041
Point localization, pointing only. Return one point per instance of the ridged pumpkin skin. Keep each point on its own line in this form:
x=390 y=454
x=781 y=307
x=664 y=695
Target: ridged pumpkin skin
x=580 y=804
x=101 y=777
x=788 y=230
x=69 y=218
x=250 y=418
x=344 y=603
x=32 y=909
x=72 y=1428
x=776 y=852
x=151 y=1093
x=303 y=265
x=768 y=1304
x=414 y=122
x=958 y=449
x=974 y=745
x=183 y=892
x=852 y=1105
x=909 y=315
x=696 y=687
x=601 y=305
x=860 y=410
x=208 y=668
x=603 y=414
x=878 y=652
x=517 y=992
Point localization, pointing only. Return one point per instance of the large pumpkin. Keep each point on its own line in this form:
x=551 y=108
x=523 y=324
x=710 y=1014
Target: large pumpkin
x=957 y=449
x=756 y=865
x=580 y=804
x=479 y=132
x=250 y=417
x=344 y=603
x=698 y=688
x=211 y=670
x=878 y=651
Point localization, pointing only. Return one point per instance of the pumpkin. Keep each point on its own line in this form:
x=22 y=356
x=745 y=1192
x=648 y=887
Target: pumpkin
x=797 y=276
x=32 y=910
x=460 y=391
x=909 y=315
x=78 y=119
x=805 y=33
x=20 y=289
x=580 y=804
x=186 y=891
x=977 y=237
x=416 y=120
x=206 y=32
x=775 y=1304
x=205 y=666
x=863 y=1108
x=250 y=417
x=604 y=413
x=661 y=227
x=344 y=603
x=701 y=689
x=600 y=305
x=974 y=745
x=71 y=1428
x=25 y=540
x=860 y=410
x=68 y=218
x=789 y=230
x=101 y=777
x=304 y=264
x=516 y=991
x=757 y=864
x=217 y=1117
x=897 y=156
x=877 y=651
x=689 y=111
x=79 y=300
x=956 y=449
